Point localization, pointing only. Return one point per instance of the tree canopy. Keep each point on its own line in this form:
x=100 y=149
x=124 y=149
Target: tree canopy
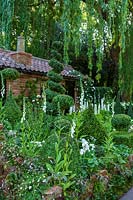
x=101 y=27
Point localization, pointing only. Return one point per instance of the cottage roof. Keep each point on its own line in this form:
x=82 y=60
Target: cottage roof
x=39 y=65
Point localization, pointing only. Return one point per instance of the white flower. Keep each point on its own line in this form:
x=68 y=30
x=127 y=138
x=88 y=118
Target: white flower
x=86 y=146
x=11 y=132
x=30 y=187
x=82 y=151
x=73 y=128
x=44 y=101
x=38 y=96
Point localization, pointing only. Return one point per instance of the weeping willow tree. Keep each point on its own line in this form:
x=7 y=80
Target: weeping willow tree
x=105 y=24
x=126 y=75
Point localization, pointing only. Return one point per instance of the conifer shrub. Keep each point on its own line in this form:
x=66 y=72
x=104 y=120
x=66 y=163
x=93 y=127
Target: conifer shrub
x=121 y=122
x=11 y=111
x=90 y=126
x=118 y=108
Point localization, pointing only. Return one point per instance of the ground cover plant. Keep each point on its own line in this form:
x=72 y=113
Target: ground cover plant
x=45 y=151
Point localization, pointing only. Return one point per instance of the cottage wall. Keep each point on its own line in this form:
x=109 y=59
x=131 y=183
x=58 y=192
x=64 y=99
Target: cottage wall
x=18 y=86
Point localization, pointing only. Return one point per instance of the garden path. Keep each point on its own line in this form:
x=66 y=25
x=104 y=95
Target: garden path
x=128 y=195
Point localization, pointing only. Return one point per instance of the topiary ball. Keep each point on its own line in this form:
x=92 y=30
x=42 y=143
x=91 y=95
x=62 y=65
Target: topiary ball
x=121 y=122
x=64 y=101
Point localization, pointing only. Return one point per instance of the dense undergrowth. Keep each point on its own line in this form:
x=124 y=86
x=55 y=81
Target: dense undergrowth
x=79 y=152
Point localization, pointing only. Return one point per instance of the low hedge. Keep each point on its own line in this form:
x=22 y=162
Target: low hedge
x=123 y=137
x=121 y=122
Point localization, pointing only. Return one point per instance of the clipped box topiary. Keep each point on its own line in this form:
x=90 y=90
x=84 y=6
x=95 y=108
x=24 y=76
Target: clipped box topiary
x=123 y=137
x=121 y=122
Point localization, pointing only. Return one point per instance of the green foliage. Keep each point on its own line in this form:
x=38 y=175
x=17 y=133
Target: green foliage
x=10 y=74
x=56 y=65
x=43 y=153
x=130 y=110
x=63 y=125
x=56 y=55
x=121 y=122
x=105 y=119
x=54 y=76
x=31 y=85
x=90 y=126
x=55 y=92
x=11 y=111
x=50 y=94
x=123 y=137
x=126 y=71
x=57 y=46
x=64 y=101
x=118 y=109
x=57 y=87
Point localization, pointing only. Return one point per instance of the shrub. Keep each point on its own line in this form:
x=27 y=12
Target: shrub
x=90 y=126
x=105 y=119
x=63 y=125
x=118 y=108
x=50 y=94
x=64 y=101
x=121 y=121
x=54 y=76
x=57 y=87
x=11 y=111
x=123 y=137
x=10 y=74
x=56 y=55
x=56 y=65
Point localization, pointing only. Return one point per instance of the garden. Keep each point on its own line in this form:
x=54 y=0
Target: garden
x=77 y=155
x=62 y=141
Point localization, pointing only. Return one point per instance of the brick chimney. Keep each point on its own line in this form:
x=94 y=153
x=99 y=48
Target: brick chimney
x=21 y=44
x=20 y=56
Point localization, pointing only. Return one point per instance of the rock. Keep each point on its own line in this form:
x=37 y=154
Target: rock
x=1 y=127
x=55 y=192
x=130 y=158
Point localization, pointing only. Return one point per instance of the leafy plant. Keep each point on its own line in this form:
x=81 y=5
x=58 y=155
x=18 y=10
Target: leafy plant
x=10 y=73
x=11 y=112
x=90 y=126
x=121 y=122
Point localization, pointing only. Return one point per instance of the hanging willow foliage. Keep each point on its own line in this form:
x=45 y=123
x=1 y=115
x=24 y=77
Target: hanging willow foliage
x=6 y=18
x=104 y=22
